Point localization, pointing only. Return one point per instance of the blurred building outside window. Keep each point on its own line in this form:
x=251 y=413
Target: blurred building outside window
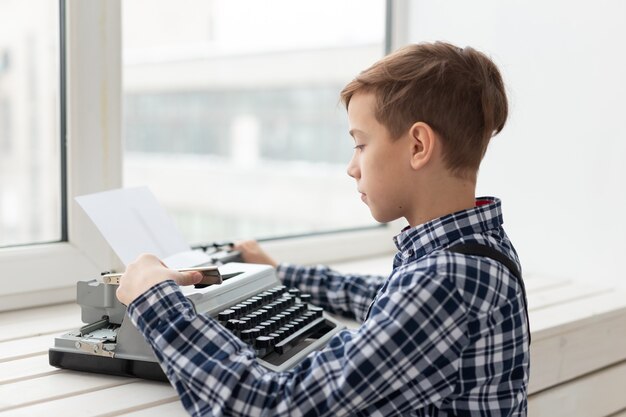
x=231 y=111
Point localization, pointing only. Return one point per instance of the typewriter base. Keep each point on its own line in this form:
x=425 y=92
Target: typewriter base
x=103 y=365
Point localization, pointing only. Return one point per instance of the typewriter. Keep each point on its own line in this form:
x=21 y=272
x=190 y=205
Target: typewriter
x=279 y=323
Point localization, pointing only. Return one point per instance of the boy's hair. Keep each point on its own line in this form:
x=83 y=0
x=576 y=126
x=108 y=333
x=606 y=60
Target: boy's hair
x=458 y=92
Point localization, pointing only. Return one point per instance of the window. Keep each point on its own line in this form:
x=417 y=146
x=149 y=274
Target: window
x=47 y=272
x=232 y=115
x=30 y=156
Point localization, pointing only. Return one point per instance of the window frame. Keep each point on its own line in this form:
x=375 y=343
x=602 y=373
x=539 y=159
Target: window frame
x=43 y=274
x=47 y=273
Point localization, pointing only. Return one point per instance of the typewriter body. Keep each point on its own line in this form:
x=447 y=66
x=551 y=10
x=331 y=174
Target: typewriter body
x=277 y=322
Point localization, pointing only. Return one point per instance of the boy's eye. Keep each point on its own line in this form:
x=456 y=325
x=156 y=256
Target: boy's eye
x=359 y=147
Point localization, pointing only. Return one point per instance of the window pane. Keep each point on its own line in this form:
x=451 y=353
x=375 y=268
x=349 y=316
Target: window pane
x=30 y=162
x=232 y=113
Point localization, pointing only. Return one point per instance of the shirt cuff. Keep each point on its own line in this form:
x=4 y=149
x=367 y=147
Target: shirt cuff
x=159 y=305
x=288 y=274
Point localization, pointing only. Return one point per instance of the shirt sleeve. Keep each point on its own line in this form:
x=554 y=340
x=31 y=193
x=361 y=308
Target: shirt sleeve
x=346 y=295
x=404 y=357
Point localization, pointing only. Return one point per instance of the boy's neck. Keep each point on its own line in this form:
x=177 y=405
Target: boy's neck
x=444 y=197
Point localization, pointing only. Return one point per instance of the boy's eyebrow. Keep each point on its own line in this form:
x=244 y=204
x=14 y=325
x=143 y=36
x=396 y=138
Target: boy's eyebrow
x=353 y=131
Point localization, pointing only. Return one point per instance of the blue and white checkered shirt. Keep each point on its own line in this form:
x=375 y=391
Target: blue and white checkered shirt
x=446 y=335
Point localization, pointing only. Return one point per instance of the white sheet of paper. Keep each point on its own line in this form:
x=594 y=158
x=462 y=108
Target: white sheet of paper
x=133 y=222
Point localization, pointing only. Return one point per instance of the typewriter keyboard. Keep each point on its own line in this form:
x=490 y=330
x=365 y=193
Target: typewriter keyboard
x=278 y=323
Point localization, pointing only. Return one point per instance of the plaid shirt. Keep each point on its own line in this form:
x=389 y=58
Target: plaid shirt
x=444 y=335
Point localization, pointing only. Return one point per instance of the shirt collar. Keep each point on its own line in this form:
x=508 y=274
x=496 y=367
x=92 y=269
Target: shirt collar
x=435 y=234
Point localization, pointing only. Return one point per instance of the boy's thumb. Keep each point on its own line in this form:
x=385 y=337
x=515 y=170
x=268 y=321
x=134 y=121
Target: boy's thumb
x=189 y=278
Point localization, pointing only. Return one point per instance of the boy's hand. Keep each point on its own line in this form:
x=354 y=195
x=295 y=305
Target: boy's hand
x=252 y=253
x=146 y=272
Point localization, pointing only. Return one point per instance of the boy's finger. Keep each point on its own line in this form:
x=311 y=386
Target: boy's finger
x=188 y=278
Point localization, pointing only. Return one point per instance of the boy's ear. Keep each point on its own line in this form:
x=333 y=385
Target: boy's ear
x=423 y=142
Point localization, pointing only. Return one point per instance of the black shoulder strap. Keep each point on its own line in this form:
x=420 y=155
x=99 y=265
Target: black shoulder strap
x=477 y=249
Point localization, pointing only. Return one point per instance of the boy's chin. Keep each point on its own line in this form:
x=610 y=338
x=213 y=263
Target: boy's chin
x=383 y=217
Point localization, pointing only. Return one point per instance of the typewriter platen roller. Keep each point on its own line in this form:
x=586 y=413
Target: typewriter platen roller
x=109 y=343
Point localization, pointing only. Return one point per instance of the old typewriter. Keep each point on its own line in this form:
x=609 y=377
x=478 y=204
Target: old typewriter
x=279 y=323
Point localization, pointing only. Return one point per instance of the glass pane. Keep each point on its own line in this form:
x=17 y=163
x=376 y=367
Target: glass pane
x=232 y=114
x=30 y=162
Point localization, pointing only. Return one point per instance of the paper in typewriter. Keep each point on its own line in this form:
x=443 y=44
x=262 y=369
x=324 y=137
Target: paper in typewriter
x=133 y=222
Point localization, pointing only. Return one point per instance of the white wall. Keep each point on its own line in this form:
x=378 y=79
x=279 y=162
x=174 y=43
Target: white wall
x=559 y=165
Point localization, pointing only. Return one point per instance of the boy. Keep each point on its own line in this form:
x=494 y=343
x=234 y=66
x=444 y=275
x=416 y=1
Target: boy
x=445 y=334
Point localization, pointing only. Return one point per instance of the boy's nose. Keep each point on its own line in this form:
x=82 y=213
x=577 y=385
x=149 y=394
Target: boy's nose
x=353 y=169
